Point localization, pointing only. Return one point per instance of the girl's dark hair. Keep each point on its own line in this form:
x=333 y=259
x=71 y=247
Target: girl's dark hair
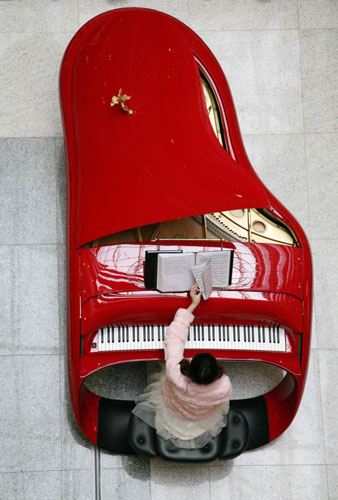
x=203 y=368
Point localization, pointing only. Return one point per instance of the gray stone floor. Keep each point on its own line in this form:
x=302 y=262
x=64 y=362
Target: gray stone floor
x=281 y=60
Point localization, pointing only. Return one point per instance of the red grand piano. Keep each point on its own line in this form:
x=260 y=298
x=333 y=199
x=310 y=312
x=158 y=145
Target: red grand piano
x=156 y=161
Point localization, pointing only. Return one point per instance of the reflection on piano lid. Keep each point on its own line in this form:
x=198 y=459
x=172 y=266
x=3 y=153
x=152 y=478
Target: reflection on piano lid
x=247 y=225
x=229 y=337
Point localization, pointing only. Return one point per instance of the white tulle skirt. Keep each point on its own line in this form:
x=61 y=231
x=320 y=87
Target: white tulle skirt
x=150 y=407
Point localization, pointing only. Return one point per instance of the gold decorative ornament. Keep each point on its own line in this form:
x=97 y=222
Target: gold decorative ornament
x=120 y=99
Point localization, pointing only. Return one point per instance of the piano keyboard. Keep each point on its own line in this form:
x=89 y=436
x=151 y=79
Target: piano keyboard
x=147 y=337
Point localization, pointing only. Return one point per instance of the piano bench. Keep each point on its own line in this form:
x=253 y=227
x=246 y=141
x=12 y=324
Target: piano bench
x=230 y=443
x=112 y=429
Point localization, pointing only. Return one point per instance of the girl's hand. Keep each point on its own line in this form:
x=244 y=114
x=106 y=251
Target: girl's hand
x=195 y=294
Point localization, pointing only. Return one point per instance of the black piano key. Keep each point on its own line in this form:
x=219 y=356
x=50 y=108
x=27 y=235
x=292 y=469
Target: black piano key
x=202 y=332
x=277 y=335
x=238 y=334
x=134 y=331
x=274 y=334
x=122 y=334
x=119 y=333
x=102 y=336
x=263 y=334
x=108 y=335
x=152 y=333
x=234 y=333
x=213 y=333
x=209 y=333
x=189 y=334
x=198 y=333
x=252 y=333
x=269 y=334
x=220 y=327
x=259 y=334
x=244 y=333
x=127 y=333
x=228 y=333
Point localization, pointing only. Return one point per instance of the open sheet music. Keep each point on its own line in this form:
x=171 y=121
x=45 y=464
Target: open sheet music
x=178 y=271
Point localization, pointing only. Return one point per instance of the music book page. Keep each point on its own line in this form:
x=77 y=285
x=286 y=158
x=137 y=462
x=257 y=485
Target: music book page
x=174 y=272
x=202 y=274
x=220 y=266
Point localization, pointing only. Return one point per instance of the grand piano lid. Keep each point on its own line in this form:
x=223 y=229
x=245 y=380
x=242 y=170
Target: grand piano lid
x=163 y=161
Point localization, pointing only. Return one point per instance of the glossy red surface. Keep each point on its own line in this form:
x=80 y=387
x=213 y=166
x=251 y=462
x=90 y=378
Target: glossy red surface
x=164 y=162
x=162 y=153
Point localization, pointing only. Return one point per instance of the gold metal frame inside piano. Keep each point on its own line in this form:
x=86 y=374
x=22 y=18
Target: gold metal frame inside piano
x=246 y=225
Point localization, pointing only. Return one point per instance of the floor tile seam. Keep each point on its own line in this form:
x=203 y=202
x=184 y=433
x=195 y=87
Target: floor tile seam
x=60 y=414
x=334 y=133
x=322 y=239
x=29 y=244
x=320 y=464
x=304 y=135
x=321 y=408
x=40 y=32
x=18 y=137
x=327 y=481
x=32 y=355
x=21 y=471
x=220 y=465
x=12 y=137
x=243 y=30
x=320 y=348
x=78 y=14
x=38 y=471
x=61 y=345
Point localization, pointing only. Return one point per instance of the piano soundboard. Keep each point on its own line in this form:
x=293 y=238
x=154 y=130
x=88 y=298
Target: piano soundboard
x=232 y=337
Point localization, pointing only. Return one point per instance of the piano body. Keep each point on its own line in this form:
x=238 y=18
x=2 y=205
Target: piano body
x=160 y=164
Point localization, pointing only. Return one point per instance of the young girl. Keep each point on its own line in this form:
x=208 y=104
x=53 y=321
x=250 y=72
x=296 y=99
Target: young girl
x=187 y=403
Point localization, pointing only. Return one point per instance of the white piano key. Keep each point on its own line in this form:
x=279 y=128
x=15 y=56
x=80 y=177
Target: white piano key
x=282 y=339
x=255 y=332
x=104 y=345
x=141 y=337
x=243 y=337
x=269 y=335
x=217 y=330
